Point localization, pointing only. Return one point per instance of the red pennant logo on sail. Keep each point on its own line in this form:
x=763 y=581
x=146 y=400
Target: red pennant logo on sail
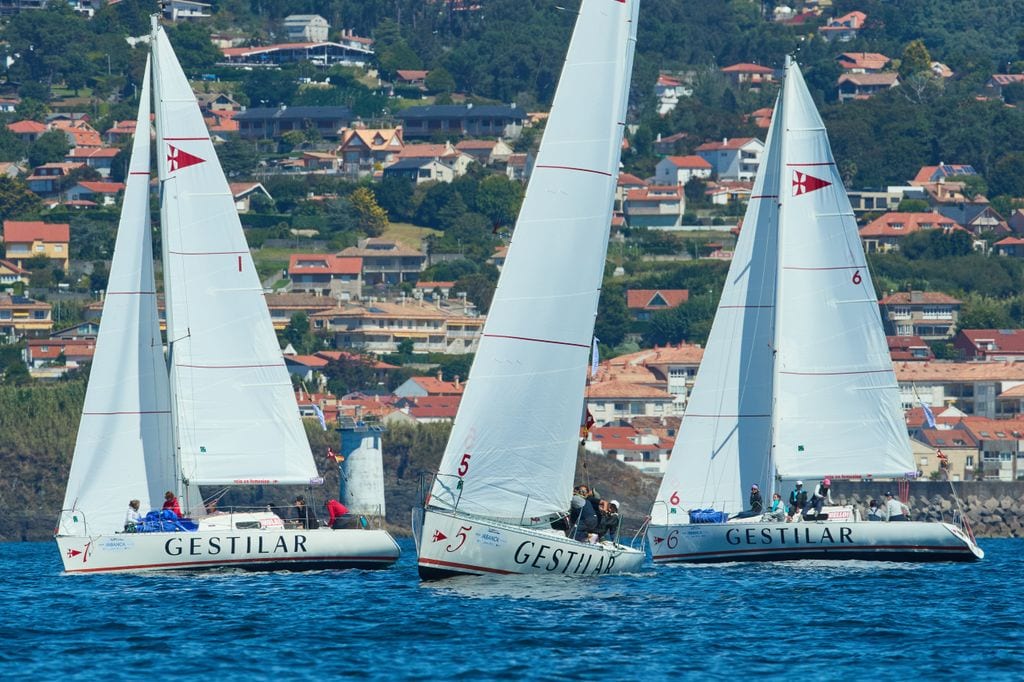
x=804 y=183
x=438 y=536
x=179 y=158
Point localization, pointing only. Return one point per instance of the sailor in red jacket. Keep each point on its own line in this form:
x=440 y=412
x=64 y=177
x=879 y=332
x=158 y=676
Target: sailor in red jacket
x=336 y=510
x=171 y=502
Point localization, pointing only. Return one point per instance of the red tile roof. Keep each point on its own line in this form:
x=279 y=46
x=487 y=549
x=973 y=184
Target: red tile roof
x=887 y=78
x=306 y=360
x=747 y=68
x=902 y=224
x=645 y=299
x=435 y=386
x=691 y=161
x=922 y=297
x=102 y=187
x=734 y=143
x=323 y=264
x=903 y=348
x=436 y=407
x=30 y=231
x=626 y=179
x=92 y=153
x=23 y=127
x=1006 y=341
x=872 y=61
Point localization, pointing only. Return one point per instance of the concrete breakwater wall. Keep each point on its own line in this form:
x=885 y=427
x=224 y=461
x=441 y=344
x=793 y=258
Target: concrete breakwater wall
x=995 y=509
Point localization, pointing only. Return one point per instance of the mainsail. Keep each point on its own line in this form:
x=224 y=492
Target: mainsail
x=796 y=380
x=837 y=401
x=512 y=451
x=237 y=421
x=123 y=448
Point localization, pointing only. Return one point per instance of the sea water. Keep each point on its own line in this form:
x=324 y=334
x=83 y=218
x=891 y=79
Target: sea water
x=786 y=621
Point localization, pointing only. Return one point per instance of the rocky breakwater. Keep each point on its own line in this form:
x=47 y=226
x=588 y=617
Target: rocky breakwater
x=995 y=509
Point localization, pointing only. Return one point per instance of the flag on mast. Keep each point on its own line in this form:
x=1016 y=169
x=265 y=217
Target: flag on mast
x=594 y=360
x=320 y=416
x=929 y=416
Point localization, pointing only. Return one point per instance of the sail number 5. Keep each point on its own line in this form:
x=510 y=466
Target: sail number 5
x=462 y=535
x=464 y=464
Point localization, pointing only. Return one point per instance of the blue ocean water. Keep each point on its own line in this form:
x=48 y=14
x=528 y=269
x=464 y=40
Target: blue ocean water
x=803 y=620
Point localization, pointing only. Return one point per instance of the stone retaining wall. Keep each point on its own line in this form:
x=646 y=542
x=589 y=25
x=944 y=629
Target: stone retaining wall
x=995 y=509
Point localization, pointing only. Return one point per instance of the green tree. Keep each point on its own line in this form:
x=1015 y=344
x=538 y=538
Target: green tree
x=300 y=334
x=16 y=200
x=916 y=59
x=913 y=206
x=479 y=289
x=613 y=317
x=980 y=312
x=50 y=147
x=1007 y=177
x=347 y=376
x=193 y=47
x=373 y=219
x=439 y=81
x=237 y=157
x=499 y=199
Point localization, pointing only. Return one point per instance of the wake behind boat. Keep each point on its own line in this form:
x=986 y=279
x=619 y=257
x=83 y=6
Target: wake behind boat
x=219 y=409
x=796 y=381
x=508 y=469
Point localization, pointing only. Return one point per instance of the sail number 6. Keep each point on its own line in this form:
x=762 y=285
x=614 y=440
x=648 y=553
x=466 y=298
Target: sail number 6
x=464 y=464
x=857 y=279
x=674 y=499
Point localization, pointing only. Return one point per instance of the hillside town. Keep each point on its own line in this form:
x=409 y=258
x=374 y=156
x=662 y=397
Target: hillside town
x=379 y=219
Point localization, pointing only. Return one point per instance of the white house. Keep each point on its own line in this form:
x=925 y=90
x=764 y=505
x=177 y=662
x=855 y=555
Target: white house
x=733 y=159
x=677 y=170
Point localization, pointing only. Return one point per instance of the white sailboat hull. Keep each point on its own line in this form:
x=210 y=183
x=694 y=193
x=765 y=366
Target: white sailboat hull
x=452 y=544
x=282 y=549
x=908 y=541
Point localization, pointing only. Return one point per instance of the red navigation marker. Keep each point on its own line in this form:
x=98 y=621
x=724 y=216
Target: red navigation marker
x=438 y=536
x=804 y=183
x=179 y=158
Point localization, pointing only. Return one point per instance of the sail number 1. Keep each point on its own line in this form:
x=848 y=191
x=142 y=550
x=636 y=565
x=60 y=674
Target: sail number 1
x=464 y=464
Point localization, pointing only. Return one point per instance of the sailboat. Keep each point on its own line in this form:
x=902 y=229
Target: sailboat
x=508 y=468
x=218 y=408
x=796 y=380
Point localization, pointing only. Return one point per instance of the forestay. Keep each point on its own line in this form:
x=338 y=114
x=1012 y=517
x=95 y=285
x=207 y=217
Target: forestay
x=237 y=420
x=838 y=410
x=512 y=451
x=725 y=435
x=123 y=449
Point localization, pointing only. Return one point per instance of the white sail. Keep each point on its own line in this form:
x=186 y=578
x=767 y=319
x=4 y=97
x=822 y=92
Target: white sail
x=724 y=441
x=237 y=420
x=123 y=448
x=837 y=401
x=512 y=451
